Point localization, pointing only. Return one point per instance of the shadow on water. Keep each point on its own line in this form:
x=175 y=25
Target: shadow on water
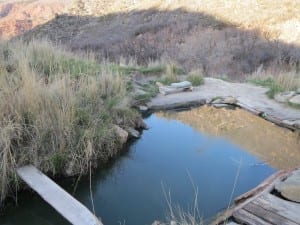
x=169 y=155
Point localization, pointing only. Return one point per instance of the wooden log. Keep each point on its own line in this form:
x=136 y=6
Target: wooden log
x=244 y=217
x=59 y=199
x=265 y=187
x=267 y=215
x=280 y=175
x=170 y=90
x=183 y=84
x=287 y=209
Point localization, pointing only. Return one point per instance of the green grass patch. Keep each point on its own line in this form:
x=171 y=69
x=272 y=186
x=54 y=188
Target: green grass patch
x=143 y=70
x=195 y=78
x=293 y=105
x=167 y=80
x=272 y=84
x=58 y=109
x=151 y=90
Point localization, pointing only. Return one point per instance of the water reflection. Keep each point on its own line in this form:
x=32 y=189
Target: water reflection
x=276 y=146
x=170 y=154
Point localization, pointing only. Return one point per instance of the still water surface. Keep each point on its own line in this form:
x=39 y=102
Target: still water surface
x=171 y=156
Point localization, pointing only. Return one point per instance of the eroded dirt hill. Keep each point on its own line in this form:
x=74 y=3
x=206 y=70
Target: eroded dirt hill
x=16 y=17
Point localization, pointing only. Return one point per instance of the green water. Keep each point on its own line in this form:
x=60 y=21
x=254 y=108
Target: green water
x=170 y=156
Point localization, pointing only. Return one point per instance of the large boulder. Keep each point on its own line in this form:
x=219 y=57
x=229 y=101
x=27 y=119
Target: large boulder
x=290 y=188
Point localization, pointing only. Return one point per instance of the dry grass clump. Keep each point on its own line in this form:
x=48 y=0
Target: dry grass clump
x=276 y=81
x=195 y=77
x=57 y=110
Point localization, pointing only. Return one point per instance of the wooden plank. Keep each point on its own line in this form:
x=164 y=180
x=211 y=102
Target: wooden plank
x=267 y=215
x=279 y=206
x=59 y=199
x=244 y=199
x=244 y=217
x=267 y=185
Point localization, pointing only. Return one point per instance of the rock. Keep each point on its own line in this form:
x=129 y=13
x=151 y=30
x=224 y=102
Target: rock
x=284 y=96
x=123 y=134
x=230 y=100
x=297 y=124
x=143 y=108
x=290 y=188
x=70 y=168
x=138 y=92
x=295 y=100
x=225 y=100
x=156 y=222
x=220 y=105
x=142 y=125
x=133 y=133
x=217 y=101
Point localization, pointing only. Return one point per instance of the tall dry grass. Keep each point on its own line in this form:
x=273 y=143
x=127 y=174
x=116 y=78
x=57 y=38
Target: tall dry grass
x=57 y=110
x=276 y=81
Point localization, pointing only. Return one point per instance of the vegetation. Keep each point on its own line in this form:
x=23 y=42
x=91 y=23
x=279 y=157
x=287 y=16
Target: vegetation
x=171 y=74
x=177 y=215
x=196 y=78
x=151 y=90
x=57 y=110
x=284 y=81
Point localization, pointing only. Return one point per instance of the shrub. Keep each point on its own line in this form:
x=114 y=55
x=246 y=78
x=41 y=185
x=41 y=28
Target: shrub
x=284 y=81
x=196 y=78
x=57 y=109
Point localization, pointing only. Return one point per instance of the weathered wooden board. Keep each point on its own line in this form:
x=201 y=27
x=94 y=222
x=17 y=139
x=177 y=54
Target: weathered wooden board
x=266 y=186
x=244 y=217
x=280 y=207
x=267 y=215
x=59 y=199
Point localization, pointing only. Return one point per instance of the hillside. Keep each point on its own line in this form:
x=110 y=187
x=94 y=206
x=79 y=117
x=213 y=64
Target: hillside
x=230 y=39
x=16 y=17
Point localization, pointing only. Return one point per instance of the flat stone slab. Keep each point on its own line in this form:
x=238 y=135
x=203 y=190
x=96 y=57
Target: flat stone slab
x=295 y=100
x=290 y=188
x=75 y=212
x=248 y=96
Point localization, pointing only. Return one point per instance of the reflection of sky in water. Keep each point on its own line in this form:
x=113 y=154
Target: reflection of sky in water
x=172 y=156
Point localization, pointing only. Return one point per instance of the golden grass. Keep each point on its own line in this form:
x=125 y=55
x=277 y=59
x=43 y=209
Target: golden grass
x=57 y=110
x=276 y=81
x=275 y=19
